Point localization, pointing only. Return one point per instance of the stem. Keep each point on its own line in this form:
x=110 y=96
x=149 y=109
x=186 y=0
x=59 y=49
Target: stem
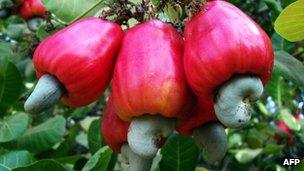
x=86 y=12
x=58 y=20
x=263 y=108
x=279 y=93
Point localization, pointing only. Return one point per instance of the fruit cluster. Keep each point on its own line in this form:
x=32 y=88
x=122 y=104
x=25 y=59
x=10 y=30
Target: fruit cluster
x=30 y=10
x=27 y=9
x=198 y=84
x=285 y=133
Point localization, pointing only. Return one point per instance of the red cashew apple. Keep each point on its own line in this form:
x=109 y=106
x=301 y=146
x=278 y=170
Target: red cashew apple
x=32 y=8
x=149 y=86
x=286 y=130
x=114 y=129
x=203 y=124
x=283 y=127
x=229 y=58
x=75 y=64
x=115 y=133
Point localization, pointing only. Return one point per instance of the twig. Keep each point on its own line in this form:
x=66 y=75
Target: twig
x=86 y=12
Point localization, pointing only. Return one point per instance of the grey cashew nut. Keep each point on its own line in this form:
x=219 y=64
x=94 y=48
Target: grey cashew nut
x=46 y=94
x=136 y=162
x=147 y=132
x=213 y=138
x=232 y=106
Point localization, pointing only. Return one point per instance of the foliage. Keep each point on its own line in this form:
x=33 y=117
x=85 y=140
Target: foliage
x=290 y=22
x=63 y=138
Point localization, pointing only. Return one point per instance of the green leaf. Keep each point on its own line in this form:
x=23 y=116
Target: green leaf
x=155 y=2
x=6 y=49
x=6 y=4
x=179 y=153
x=69 y=159
x=280 y=168
x=275 y=7
x=42 y=165
x=136 y=1
x=235 y=140
x=3 y=150
x=100 y=161
x=132 y=22
x=163 y=16
x=66 y=146
x=80 y=113
x=15 y=159
x=280 y=44
x=285 y=3
x=289 y=67
x=276 y=87
x=16 y=31
x=10 y=83
x=254 y=138
x=273 y=149
x=43 y=136
x=290 y=22
x=82 y=139
x=69 y=10
x=4 y=168
x=155 y=163
x=172 y=12
x=289 y=120
x=262 y=108
x=42 y=33
x=300 y=167
x=95 y=141
x=247 y=155
x=16 y=28
x=13 y=127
